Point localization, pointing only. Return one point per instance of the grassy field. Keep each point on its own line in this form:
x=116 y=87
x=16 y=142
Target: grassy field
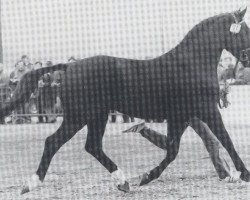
x=74 y=174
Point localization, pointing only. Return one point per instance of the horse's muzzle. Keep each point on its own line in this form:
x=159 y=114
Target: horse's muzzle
x=244 y=57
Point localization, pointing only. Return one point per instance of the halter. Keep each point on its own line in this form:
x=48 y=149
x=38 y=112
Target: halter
x=235 y=28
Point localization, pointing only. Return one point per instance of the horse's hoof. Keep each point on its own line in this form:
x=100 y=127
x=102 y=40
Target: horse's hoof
x=25 y=190
x=245 y=176
x=145 y=179
x=124 y=187
x=32 y=183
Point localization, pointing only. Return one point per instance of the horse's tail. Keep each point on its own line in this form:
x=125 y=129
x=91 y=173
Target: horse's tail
x=26 y=86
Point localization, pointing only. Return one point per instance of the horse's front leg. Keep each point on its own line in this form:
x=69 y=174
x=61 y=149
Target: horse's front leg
x=96 y=128
x=175 y=131
x=52 y=144
x=214 y=121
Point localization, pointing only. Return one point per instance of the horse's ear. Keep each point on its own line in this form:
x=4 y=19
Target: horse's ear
x=239 y=14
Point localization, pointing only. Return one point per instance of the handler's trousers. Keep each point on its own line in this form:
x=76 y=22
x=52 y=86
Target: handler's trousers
x=212 y=144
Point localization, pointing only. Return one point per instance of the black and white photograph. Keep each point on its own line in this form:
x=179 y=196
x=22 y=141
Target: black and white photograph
x=124 y=99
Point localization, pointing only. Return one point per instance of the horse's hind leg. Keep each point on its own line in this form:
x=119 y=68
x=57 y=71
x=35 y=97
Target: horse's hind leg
x=215 y=123
x=52 y=144
x=175 y=131
x=96 y=129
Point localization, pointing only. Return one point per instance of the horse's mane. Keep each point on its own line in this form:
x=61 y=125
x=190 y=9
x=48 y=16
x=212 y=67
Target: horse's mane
x=201 y=27
x=206 y=23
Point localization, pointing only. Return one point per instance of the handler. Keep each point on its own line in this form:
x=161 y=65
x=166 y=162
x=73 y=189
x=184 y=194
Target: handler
x=210 y=141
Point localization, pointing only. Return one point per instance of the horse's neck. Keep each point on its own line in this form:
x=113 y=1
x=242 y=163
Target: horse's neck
x=203 y=56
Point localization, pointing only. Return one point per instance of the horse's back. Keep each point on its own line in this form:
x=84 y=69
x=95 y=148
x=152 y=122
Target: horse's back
x=142 y=88
x=103 y=83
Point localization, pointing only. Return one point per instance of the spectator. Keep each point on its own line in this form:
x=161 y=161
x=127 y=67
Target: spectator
x=126 y=118
x=56 y=88
x=46 y=98
x=226 y=70
x=246 y=75
x=25 y=59
x=242 y=75
x=16 y=75
x=49 y=63
x=4 y=78
x=220 y=72
x=5 y=95
x=113 y=116
x=39 y=97
x=38 y=65
x=35 y=104
x=228 y=73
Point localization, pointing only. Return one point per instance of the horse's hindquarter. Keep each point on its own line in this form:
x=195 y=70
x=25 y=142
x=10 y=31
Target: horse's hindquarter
x=87 y=88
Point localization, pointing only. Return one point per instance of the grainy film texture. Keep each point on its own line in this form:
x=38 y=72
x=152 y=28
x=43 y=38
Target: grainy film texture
x=124 y=99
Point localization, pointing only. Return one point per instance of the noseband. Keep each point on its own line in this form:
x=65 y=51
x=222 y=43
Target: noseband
x=244 y=58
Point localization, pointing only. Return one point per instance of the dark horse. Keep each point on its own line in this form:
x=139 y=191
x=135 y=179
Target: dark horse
x=177 y=86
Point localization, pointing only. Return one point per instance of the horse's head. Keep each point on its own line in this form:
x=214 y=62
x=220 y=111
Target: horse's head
x=237 y=36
